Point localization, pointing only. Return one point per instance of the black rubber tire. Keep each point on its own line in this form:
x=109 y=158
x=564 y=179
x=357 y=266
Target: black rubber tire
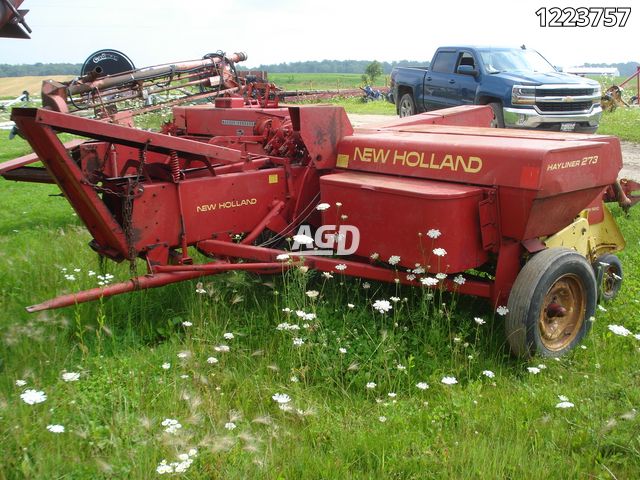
x=498 y=115
x=609 y=276
x=559 y=276
x=406 y=106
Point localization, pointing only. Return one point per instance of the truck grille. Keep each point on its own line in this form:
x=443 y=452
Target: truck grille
x=563 y=106
x=563 y=92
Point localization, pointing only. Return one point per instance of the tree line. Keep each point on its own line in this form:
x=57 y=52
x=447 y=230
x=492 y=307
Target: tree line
x=325 y=66
x=40 y=69
x=626 y=69
x=335 y=66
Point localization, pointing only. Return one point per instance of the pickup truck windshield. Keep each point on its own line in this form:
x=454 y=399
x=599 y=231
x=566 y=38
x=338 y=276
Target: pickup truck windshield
x=514 y=60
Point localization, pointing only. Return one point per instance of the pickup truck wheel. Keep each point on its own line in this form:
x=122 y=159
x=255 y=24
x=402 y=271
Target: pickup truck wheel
x=407 y=106
x=498 y=115
x=551 y=304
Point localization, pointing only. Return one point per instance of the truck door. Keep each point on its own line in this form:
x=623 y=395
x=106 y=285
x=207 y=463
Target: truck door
x=465 y=81
x=437 y=86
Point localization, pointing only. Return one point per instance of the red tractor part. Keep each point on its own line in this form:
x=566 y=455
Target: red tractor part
x=12 y=22
x=234 y=180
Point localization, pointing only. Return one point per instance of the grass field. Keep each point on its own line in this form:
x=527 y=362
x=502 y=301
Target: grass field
x=345 y=392
x=11 y=87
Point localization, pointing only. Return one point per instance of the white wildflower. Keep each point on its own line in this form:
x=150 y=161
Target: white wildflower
x=327 y=275
x=370 y=385
x=392 y=395
x=488 y=373
x=21 y=383
x=228 y=336
x=172 y=425
x=563 y=398
x=221 y=348
x=441 y=276
x=619 y=330
x=341 y=267
x=350 y=305
x=282 y=257
x=393 y=260
x=382 y=418
x=383 y=306
x=502 y=310
x=429 y=281
x=366 y=285
x=601 y=308
x=55 y=428
x=322 y=207
x=187 y=324
x=303 y=239
x=298 y=342
x=230 y=425
x=433 y=233
x=534 y=370
x=422 y=385
x=401 y=367
x=200 y=289
x=374 y=256
x=565 y=405
x=479 y=320
x=31 y=397
x=166 y=366
x=212 y=360
x=281 y=398
x=439 y=252
x=312 y=294
x=342 y=350
x=70 y=376
x=183 y=354
x=449 y=380
x=460 y=280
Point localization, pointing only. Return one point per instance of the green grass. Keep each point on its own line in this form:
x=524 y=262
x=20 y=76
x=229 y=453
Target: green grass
x=622 y=122
x=319 y=81
x=480 y=428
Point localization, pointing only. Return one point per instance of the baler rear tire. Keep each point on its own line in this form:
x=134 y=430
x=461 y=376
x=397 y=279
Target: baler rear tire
x=551 y=304
x=406 y=106
x=498 y=115
x=610 y=278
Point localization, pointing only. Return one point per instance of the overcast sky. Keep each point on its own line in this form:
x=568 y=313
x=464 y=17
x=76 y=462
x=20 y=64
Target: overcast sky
x=274 y=31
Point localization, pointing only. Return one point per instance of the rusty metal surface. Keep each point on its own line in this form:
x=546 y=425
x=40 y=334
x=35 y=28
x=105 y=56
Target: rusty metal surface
x=12 y=22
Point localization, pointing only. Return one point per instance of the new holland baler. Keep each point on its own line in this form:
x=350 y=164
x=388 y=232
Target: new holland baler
x=520 y=215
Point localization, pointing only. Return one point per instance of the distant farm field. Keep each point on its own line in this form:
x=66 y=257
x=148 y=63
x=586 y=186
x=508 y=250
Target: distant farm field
x=316 y=81
x=14 y=86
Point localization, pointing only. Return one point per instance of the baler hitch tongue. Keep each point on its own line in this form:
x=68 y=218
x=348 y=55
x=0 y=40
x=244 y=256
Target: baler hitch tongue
x=626 y=192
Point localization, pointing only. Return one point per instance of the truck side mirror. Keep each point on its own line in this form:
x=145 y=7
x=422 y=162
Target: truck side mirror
x=467 y=70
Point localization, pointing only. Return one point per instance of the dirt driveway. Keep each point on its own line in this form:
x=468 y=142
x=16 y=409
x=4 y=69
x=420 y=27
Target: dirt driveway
x=630 y=150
